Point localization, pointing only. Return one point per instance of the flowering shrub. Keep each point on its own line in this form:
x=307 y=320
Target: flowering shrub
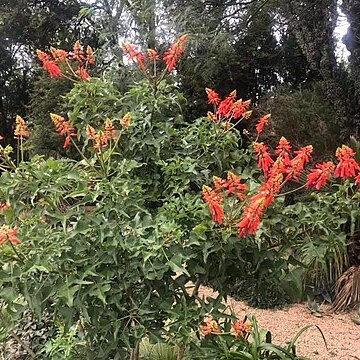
x=296 y=234
x=103 y=237
x=277 y=170
x=105 y=243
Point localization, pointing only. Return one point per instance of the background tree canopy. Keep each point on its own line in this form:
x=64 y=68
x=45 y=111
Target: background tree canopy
x=261 y=48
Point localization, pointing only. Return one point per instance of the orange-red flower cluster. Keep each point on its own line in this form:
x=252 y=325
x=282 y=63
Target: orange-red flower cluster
x=21 y=129
x=171 y=56
x=262 y=122
x=227 y=109
x=64 y=128
x=264 y=158
x=75 y=62
x=213 y=96
x=320 y=175
x=347 y=166
x=278 y=169
x=213 y=199
x=102 y=138
x=210 y=327
x=242 y=328
x=7 y=233
x=232 y=185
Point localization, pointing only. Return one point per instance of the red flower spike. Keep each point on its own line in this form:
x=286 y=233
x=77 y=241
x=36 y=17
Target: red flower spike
x=140 y=59
x=318 y=176
x=241 y=328
x=172 y=55
x=43 y=56
x=347 y=165
x=213 y=96
x=233 y=184
x=7 y=233
x=109 y=130
x=283 y=150
x=82 y=73
x=90 y=55
x=52 y=68
x=21 y=129
x=262 y=122
x=264 y=159
x=219 y=183
x=153 y=55
x=226 y=107
x=58 y=54
x=78 y=52
x=210 y=327
x=214 y=202
x=297 y=164
x=239 y=109
x=64 y=128
x=130 y=49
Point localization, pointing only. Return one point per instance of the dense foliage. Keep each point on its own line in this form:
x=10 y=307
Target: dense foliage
x=105 y=243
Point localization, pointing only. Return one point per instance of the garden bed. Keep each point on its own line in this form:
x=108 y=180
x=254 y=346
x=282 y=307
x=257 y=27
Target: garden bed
x=341 y=333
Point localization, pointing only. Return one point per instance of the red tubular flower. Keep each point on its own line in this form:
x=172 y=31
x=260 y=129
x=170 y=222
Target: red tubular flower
x=214 y=202
x=64 y=128
x=99 y=138
x=90 y=55
x=241 y=328
x=172 y=55
x=109 y=130
x=140 y=59
x=297 y=164
x=239 y=109
x=226 y=106
x=347 y=165
x=78 y=52
x=7 y=233
x=130 y=49
x=43 y=56
x=213 y=96
x=21 y=129
x=251 y=218
x=153 y=55
x=262 y=122
x=233 y=184
x=210 y=327
x=82 y=73
x=283 y=150
x=264 y=159
x=320 y=175
x=59 y=54
x=219 y=183
x=52 y=68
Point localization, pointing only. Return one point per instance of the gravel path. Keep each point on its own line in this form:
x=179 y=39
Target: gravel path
x=342 y=335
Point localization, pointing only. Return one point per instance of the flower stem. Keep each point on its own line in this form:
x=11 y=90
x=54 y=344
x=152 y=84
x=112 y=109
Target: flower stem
x=21 y=258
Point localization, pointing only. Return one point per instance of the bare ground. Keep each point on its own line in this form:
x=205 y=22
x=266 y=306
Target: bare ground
x=341 y=333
